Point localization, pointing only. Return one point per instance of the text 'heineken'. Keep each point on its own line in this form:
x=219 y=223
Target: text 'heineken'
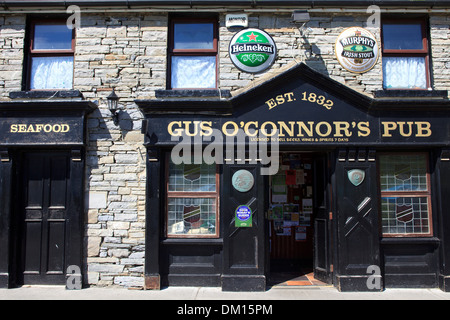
x=252 y=50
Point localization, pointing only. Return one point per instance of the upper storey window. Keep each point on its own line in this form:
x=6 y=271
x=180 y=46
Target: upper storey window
x=51 y=55
x=405 y=54
x=193 y=54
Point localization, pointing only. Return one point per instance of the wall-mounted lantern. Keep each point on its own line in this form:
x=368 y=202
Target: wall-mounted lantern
x=113 y=106
x=301 y=17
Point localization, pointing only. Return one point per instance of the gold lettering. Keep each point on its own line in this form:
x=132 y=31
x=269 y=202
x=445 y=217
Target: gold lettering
x=48 y=128
x=65 y=128
x=30 y=128
x=225 y=131
x=402 y=129
x=271 y=103
x=57 y=128
x=39 y=127
x=187 y=128
x=289 y=96
x=283 y=126
x=342 y=126
x=178 y=132
x=302 y=126
x=327 y=125
x=246 y=128
x=387 y=127
x=423 y=129
x=280 y=99
x=22 y=128
x=205 y=126
x=363 y=128
x=263 y=128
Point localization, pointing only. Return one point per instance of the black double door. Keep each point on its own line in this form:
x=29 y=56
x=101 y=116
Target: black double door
x=42 y=217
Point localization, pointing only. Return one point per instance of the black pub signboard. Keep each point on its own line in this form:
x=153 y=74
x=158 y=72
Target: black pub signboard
x=306 y=109
x=41 y=123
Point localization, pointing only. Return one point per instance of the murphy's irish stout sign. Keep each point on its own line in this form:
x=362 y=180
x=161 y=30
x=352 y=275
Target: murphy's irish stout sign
x=356 y=50
x=252 y=50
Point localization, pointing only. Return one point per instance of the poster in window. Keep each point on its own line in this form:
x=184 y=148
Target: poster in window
x=290 y=177
x=300 y=233
x=278 y=227
x=300 y=177
x=279 y=189
x=276 y=212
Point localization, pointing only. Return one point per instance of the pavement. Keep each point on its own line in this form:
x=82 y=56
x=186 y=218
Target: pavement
x=191 y=294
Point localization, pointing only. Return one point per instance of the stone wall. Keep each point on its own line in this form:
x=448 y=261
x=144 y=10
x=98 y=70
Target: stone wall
x=12 y=34
x=128 y=52
x=440 y=51
x=314 y=45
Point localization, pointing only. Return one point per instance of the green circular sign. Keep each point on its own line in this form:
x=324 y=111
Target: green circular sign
x=252 y=50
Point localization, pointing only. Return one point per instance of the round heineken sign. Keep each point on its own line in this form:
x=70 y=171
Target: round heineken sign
x=357 y=49
x=252 y=50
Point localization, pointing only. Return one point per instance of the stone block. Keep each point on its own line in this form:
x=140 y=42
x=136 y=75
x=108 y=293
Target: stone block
x=98 y=200
x=129 y=282
x=93 y=246
x=106 y=268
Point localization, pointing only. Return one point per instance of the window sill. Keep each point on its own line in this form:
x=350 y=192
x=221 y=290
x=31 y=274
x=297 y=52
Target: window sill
x=410 y=240
x=45 y=94
x=192 y=241
x=393 y=93
x=192 y=93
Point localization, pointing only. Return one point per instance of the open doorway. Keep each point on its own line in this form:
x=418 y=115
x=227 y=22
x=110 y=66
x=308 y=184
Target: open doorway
x=291 y=218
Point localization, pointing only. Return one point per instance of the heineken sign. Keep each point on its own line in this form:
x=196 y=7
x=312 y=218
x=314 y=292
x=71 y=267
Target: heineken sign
x=252 y=50
x=357 y=50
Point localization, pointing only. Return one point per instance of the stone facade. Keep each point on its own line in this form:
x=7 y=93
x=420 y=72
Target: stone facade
x=128 y=52
x=12 y=36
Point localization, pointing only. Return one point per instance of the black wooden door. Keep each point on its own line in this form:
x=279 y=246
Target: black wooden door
x=43 y=217
x=245 y=248
x=356 y=221
x=322 y=252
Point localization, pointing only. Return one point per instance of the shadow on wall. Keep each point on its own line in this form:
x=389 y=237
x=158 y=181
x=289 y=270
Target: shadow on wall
x=112 y=156
x=313 y=55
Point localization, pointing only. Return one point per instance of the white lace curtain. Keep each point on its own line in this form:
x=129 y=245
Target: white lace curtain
x=52 y=73
x=404 y=73
x=193 y=72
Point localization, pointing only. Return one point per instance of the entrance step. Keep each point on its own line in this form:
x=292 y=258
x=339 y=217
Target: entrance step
x=294 y=279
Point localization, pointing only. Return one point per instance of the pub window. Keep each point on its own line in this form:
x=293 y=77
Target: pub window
x=193 y=53
x=51 y=55
x=405 y=54
x=405 y=195
x=192 y=200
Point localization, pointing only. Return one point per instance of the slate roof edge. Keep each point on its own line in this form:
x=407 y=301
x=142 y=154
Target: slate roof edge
x=252 y=3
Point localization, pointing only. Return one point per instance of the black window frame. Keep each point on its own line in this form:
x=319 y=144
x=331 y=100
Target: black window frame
x=172 y=52
x=32 y=53
x=215 y=195
x=425 y=52
x=408 y=193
